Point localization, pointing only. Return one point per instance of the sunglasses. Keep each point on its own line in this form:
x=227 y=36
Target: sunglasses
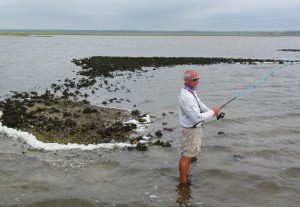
x=194 y=79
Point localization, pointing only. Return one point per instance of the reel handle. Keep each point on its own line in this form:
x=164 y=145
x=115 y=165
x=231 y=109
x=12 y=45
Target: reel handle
x=220 y=115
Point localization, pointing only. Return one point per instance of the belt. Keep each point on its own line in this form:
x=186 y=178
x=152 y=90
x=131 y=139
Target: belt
x=198 y=125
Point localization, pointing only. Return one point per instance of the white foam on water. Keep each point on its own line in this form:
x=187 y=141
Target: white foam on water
x=33 y=142
x=141 y=127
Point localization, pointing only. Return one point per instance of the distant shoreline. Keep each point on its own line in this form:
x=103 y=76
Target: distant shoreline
x=142 y=33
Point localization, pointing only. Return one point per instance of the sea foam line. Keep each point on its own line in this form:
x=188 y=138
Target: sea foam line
x=32 y=141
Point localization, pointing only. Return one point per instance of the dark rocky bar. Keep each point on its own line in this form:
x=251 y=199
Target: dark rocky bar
x=55 y=119
x=290 y=50
x=104 y=65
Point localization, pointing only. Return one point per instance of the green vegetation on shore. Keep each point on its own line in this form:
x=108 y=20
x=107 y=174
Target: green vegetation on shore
x=145 y=33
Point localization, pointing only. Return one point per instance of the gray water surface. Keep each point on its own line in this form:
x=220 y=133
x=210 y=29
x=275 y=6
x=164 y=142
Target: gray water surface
x=255 y=163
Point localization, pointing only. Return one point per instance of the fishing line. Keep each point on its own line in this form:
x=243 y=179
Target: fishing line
x=257 y=83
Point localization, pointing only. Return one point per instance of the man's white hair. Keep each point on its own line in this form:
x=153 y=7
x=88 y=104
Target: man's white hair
x=188 y=74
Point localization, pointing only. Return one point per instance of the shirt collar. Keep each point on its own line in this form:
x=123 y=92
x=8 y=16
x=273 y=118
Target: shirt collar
x=189 y=88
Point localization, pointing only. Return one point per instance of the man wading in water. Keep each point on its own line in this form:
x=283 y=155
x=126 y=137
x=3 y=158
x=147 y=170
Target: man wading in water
x=192 y=113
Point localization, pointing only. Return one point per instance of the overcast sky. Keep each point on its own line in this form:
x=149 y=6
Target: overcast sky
x=160 y=15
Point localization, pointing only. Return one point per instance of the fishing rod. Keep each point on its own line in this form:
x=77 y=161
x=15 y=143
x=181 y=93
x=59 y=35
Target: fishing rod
x=254 y=85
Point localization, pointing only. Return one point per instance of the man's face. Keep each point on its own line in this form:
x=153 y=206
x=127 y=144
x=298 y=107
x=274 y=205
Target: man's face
x=193 y=80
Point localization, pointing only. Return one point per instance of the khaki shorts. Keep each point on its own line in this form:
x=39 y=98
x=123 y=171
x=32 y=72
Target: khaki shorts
x=190 y=140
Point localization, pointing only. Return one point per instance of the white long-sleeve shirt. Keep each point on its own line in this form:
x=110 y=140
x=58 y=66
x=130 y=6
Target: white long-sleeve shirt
x=189 y=111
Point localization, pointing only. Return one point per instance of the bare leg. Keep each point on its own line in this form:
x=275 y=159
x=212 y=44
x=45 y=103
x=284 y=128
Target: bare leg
x=184 y=167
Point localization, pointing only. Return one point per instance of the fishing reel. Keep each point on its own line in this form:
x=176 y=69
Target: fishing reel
x=220 y=115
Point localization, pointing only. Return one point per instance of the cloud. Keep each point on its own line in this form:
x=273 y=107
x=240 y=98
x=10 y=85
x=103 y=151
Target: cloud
x=150 y=14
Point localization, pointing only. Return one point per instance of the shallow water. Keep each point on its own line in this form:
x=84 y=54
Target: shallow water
x=255 y=163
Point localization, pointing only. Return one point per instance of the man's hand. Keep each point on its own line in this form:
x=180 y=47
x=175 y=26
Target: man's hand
x=216 y=110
